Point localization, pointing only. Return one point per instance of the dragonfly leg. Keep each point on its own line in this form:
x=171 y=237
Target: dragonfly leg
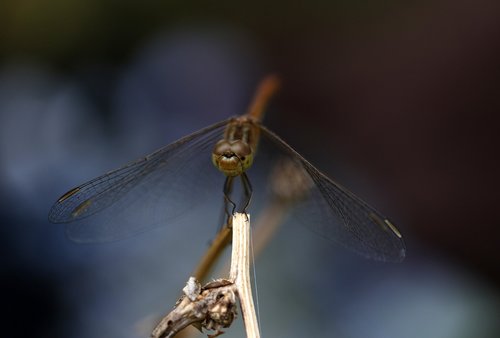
x=228 y=187
x=225 y=218
x=247 y=187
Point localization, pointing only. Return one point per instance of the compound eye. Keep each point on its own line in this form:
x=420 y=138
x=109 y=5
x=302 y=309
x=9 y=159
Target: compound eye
x=221 y=148
x=241 y=149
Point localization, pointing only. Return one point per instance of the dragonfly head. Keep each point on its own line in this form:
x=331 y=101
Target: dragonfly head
x=232 y=157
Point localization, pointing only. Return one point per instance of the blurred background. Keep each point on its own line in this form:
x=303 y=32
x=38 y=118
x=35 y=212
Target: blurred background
x=399 y=101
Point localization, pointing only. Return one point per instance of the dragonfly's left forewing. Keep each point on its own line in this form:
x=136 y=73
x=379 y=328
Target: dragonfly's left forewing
x=337 y=214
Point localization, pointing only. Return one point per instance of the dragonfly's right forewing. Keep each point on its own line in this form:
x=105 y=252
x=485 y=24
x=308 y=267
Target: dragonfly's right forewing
x=146 y=193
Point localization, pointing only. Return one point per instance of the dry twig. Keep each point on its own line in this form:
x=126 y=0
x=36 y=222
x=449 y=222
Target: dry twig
x=213 y=307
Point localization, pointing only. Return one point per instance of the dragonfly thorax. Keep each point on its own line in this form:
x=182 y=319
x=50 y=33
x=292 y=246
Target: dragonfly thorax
x=232 y=157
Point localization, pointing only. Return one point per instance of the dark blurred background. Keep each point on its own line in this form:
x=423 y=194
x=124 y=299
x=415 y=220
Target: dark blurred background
x=397 y=100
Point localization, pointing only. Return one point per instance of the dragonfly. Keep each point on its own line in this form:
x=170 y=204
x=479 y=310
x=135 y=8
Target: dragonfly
x=161 y=187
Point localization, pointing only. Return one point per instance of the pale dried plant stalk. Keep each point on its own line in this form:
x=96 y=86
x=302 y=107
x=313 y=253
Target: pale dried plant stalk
x=213 y=306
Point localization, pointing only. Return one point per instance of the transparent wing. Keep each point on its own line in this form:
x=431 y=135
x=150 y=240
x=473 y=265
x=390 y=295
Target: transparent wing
x=144 y=194
x=167 y=184
x=336 y=213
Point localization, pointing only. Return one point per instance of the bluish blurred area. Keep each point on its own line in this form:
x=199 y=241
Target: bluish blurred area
x=397 y=101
